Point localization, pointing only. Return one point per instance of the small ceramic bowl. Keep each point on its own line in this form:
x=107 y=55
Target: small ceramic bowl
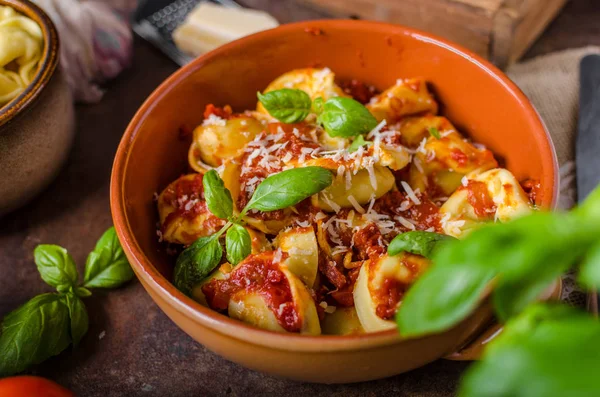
x=37 y=127
x=477 y=97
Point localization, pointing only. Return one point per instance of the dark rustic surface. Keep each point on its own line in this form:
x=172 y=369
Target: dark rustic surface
x=142 y=352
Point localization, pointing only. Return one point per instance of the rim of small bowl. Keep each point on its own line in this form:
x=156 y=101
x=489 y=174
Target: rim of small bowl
x=220 y=323
x=47 y=64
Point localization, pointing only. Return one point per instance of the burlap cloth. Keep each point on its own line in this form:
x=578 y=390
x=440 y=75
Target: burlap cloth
x=552 y=84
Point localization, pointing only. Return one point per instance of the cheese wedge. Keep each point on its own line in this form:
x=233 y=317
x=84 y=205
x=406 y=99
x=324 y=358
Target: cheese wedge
x=209 y=26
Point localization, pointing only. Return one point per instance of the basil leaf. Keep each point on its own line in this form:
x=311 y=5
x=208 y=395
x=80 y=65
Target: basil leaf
x=589 y=272
x=417 y=242
x=590 y=208
x=286 y=105
x=358 y=142
x=434 y=132
x=33 y=333
x=56 y=266
x=107 y=265
x=217 y=196
x=79 y=318
x=288 y=188
x=549 y=350
x=238 y=244
x=82 y=292
x=196 y=262
x=317 y=105
x=540 y=248
x=346 y=117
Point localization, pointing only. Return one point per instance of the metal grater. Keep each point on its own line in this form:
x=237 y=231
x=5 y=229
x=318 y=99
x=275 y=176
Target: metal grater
x=155 y=21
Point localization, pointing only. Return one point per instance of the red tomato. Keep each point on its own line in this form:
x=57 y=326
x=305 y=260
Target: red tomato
x=31 y=386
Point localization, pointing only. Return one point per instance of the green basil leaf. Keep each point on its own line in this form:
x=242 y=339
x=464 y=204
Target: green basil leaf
x=548 y=350
x=434 y=132
x=82 y=292
x=238 y=244
x=56 y=266
x=79 y=318
x=196 y=262
x=288 y=188
x=33 y=333
x=346 y=117
x=590 y=208
x=589 y=272
x=358 y=142
x=107 y=265
x=217 y=196
x=286 y=105
x=539 y=248
x=317 y=105
x=417 y=242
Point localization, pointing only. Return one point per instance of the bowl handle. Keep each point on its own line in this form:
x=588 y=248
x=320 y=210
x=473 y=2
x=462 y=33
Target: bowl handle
x=473 y=349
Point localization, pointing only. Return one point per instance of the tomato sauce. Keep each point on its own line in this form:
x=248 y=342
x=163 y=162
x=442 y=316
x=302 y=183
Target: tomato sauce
x=533 y=189
x=358 y=90
x=186 y=195
x=258 y=274
x=480 y=199
x=224 y=112
x=425 y=215
x=392 y=291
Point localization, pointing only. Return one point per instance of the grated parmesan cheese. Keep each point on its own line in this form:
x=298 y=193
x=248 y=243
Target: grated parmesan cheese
x=410 y=193
x=214 y=120
x=355 y=204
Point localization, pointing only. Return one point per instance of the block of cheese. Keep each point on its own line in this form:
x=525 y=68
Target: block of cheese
x=209 y=26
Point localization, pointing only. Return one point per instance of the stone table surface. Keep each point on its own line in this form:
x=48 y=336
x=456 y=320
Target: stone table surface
x=132 y=348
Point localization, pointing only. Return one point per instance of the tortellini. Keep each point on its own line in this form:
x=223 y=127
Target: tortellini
x=268 y=308
x=303 y=252
x=363 y=187
x=440 y=164
x=343 y=321
x=218 y=140
x=494 y=195
x=380 y=287
x=183 y=213
x=317 y=83
x=321 y=265
x=21 y=45
x=406 y=97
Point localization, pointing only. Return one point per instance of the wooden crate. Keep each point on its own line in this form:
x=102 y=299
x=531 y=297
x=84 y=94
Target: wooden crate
x=499 y=30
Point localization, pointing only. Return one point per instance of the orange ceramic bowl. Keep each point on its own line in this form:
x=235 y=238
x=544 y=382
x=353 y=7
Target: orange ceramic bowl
x=476 y=96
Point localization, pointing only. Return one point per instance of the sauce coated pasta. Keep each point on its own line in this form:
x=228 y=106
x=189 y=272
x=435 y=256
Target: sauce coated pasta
x=324 y=264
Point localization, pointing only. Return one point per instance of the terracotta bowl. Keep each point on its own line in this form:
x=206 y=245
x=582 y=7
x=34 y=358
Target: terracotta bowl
x=477 y=97
x=37 y=127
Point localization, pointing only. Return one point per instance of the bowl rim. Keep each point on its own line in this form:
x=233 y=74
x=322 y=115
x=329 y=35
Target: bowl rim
x=47 y=63
x=186 y=306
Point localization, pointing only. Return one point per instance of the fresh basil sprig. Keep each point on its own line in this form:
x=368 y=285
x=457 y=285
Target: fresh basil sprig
x=107 y=265
x=46 y=325
x=286 y=105
x=418 y=242
x=196 y=262
x=278 y=191
x=56 y=266
x=346 y=117
x=339 y=116
x=238 y=244
x=288 y=188
x=549 y=350
x=218 y=198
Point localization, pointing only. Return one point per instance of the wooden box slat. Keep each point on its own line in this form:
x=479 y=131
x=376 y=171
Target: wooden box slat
x=499 y=30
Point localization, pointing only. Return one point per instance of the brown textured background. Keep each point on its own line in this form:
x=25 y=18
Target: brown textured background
x=142 y=352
